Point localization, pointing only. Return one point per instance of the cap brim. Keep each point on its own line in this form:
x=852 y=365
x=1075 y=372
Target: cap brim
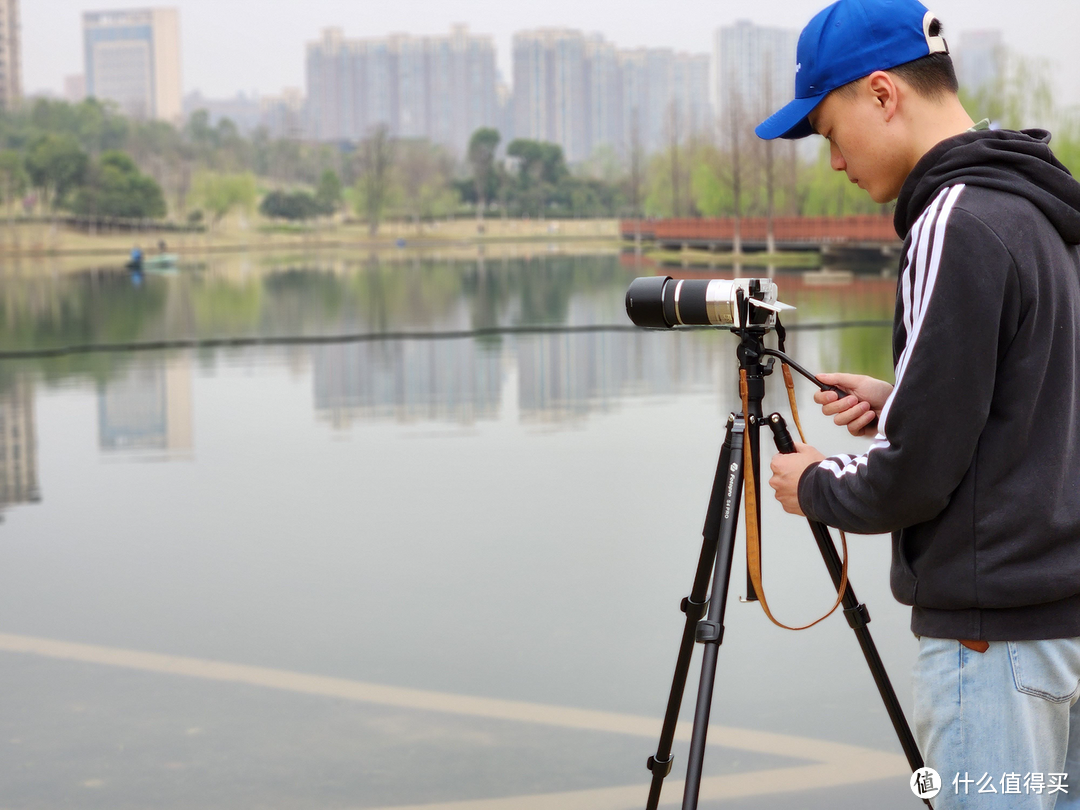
x=789 y=121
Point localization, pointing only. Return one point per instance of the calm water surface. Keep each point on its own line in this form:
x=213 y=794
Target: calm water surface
x=404 y=572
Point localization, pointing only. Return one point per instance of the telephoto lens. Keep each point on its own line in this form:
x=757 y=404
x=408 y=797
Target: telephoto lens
x=663 y=302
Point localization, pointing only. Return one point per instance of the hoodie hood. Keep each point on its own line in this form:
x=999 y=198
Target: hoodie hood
x=1018 y=163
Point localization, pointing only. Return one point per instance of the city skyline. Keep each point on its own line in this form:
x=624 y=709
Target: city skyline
x=219 y=64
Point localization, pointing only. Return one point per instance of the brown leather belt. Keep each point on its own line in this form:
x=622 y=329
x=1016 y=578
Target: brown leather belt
x=978 y=646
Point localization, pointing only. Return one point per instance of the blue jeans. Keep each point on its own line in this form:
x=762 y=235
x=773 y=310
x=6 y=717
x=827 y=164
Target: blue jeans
x=1002 y=727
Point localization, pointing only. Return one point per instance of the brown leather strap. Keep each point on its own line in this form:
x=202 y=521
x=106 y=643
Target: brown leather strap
x=753 y=538
x=978 y=646
x=789 y=383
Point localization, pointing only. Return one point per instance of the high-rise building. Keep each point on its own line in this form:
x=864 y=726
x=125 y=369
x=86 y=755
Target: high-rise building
x=133 y=58
x=980 y=60
x=665 y=96
x=582 y=93
x=10 y=55
x=440 y=88
x=603 y=96
x=690 y=91
x=754 y=70
x=550 y=89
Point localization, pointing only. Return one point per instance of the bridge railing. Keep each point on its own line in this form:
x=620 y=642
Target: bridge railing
x=861 y=228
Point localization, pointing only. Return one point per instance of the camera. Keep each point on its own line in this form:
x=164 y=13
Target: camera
x=663 y=302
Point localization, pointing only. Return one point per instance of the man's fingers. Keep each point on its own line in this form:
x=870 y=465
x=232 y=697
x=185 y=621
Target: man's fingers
x=856 y=427
x=849 y=415
x=842 y=406
x=825 y=397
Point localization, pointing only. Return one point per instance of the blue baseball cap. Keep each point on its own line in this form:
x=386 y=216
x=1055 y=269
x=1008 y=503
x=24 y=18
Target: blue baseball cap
x=848 y=40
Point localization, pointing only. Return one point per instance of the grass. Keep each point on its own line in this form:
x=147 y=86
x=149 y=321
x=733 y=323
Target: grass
x=692 y=257
x=236 y=233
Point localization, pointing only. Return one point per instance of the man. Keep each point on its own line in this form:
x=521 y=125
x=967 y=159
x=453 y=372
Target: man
x=975 y=467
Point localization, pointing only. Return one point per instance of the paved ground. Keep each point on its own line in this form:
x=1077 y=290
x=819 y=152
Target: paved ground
x=101 y=727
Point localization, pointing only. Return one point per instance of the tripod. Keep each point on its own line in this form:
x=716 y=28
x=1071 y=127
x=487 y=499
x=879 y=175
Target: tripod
x=717 y=551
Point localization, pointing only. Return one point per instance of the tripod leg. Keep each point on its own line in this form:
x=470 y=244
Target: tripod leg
x=710 y=631
x=694 y=606
x=857 y=616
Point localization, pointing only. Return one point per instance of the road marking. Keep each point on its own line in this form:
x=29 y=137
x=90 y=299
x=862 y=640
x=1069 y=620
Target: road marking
x=832 y=763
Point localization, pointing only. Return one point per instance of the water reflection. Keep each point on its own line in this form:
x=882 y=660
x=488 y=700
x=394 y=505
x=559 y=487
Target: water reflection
x=145 y=400
x=18 y=446
x=147 y=407
x=452 y=380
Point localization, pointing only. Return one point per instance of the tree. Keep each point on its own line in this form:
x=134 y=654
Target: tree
x=115 y=187
x=1018 y=97
x=540 y=162
x=13 y=178
x=423 y=172
x=56 y=165
x=635 y=179
x=97 y=126
x=482 y=146
x=328 y=193
x=733 y=124
x=221 y=193
x=293 y=206
x=673 y=158
x=541 y=168
x=376 y=163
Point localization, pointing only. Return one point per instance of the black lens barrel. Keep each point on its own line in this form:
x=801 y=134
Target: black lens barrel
x=645 y=302
x=661 y=302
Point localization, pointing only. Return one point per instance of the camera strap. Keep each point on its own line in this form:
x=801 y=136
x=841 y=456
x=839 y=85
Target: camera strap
x=753 y=536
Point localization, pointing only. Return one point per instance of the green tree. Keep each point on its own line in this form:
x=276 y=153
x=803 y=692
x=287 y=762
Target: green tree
x=115 y=187
x=540 y=162
x=13 y=178
x=482 y=146
x=711 y=195
x=56 y=166
x=375 y=159
x=295 y=206
x=97 y=126
x=218 y=194
x=423 y=180
x=328 y=194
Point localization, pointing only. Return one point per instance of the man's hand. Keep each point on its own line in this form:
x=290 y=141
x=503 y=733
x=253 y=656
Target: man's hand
x=859 y=410
x=787 y=469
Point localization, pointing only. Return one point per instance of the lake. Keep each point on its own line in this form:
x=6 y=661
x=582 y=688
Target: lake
x=399 y=531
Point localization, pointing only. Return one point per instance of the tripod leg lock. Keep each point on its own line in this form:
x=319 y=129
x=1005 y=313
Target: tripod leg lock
x=708 y=632
x=857 y=616
x=660 y=768
x=695 y=610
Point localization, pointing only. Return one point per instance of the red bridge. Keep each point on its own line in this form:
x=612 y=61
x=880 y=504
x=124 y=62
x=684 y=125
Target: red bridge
x=873 y=232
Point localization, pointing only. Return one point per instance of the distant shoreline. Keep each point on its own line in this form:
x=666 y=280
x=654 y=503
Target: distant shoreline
x=43 y=239
x=462 y=239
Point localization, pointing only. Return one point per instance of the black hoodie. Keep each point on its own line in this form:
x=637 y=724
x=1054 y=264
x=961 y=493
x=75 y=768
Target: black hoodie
x=976 y=468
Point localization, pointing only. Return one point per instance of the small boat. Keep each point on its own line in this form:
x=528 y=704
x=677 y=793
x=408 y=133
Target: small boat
x=154 y=263
x=160 y=261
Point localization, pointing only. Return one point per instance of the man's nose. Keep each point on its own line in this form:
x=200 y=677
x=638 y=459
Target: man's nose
x=837 y=160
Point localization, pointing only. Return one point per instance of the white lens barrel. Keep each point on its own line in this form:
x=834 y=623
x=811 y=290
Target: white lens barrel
x=720 y=303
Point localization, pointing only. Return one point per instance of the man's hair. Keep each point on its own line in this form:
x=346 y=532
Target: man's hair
x=931 y=76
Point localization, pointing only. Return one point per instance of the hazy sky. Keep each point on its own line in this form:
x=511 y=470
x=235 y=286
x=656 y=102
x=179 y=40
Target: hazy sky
x=258 y=45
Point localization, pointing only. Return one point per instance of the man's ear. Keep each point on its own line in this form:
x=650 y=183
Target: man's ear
x=882 y=86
